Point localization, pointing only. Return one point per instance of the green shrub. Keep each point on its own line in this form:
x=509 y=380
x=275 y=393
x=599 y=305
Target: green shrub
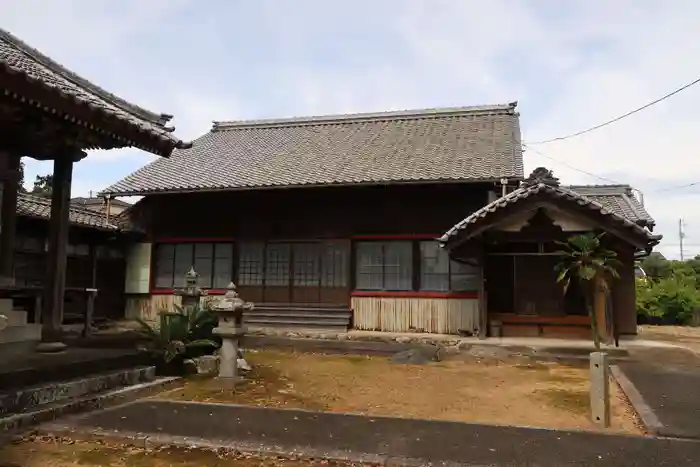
x=185 y=333
x=670 y=300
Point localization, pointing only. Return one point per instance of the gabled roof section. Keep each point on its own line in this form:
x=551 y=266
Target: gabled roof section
x=17 y=57
x=619 y=199
x=40 y=208
x=450 y=144
x=538 y=185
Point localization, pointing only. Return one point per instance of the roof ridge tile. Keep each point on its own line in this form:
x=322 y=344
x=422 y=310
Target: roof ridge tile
x=418 y=114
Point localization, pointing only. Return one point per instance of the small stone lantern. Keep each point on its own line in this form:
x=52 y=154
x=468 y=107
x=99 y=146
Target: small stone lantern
x=191 y=293
x=231 y=328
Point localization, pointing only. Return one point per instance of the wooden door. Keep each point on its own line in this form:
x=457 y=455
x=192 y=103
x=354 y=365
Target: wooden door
x=536 y=289
x=306 y=273
x=335 y=272
x=277 y=273
x=499 y=284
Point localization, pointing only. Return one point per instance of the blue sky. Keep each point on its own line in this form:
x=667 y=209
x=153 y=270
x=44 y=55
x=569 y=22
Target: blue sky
x=570 y=65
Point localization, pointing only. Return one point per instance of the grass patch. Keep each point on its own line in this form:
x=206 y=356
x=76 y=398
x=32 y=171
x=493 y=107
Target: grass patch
x=504 y=392
x=571 y=400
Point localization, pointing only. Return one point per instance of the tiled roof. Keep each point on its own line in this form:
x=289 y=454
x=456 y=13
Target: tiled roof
x=40 y=207
x=468 y=143
x=530 y=190
x=617 y=198
x=98 y=203
x=19 y=58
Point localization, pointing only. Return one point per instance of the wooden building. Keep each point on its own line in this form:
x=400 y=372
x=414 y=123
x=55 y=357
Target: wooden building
x=334 y=222
x=94 y=260
x=48 y=112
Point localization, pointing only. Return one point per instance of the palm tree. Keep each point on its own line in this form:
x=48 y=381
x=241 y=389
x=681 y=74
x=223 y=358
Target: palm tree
x=586 y=261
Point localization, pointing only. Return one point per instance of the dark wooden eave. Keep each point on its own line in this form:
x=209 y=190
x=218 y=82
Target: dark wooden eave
x=539 y=194
x=70 y=109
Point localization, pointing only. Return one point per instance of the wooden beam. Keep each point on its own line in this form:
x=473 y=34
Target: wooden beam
x=9 y=219
x=56 y=256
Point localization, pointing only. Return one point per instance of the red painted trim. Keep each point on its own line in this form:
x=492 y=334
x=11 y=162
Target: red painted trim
x=413 y=294
x=396 y=237
x=193 y=240
x=171 y=291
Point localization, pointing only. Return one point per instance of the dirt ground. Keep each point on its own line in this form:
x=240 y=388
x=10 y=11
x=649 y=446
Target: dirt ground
x=56 y=452
x=512 y=392
x=685 y=336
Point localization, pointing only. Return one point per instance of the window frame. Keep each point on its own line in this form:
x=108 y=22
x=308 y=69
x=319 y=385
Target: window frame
x=450 y=275
x=213 y=260
x=383 y=244
x=417 y=270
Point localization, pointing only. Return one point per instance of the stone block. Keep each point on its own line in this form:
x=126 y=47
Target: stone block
x=600 y=389
x=15 y=317
x=5 y=306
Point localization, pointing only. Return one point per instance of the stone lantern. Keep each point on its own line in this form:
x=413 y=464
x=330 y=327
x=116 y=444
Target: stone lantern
x=231 y=329
x=191 y=293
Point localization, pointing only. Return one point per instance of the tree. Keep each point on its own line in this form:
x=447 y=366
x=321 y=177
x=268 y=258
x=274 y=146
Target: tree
x=43 y=185
x=656 y=266
x=585 y=260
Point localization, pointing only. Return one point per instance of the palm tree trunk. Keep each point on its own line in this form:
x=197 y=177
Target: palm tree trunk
x=590 y=299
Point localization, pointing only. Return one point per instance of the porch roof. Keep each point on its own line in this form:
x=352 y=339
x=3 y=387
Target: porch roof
x=127 y=124
x=633 y=218
x=40 y=208
x=451 y=144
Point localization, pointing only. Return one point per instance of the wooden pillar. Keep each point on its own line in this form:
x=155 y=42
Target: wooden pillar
x=9 y=219
x=55 y=284
x=483 y=299
x=91 y=292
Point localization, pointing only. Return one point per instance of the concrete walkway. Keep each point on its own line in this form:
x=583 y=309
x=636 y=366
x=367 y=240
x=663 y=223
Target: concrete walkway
x=384 y=439
x=672 y=391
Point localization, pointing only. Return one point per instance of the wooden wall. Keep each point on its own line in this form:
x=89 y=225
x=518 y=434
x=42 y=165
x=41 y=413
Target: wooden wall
x=30 y=269
x=308 y=213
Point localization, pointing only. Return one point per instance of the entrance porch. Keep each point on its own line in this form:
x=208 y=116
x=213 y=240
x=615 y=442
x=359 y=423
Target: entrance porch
x=520 y=237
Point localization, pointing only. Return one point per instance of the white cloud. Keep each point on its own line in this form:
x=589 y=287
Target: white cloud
x=570 y=64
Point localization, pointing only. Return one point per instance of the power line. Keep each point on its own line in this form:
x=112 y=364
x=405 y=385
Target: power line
x=678 y=187
x=539 y=153
x=617 y=119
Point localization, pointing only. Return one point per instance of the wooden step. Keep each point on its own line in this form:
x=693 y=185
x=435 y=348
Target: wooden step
x=312 y=306
x=298 y=321
x=298 y=314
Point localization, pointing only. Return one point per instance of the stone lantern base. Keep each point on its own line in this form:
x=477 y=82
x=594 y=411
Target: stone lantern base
x=228 y=354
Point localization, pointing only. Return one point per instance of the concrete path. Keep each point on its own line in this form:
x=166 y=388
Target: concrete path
x=359 y=437
x=672 y=391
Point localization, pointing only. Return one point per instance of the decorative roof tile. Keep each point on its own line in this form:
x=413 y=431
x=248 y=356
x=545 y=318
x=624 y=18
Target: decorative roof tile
x=613 y=210
x=469 y=143
x=19 y=58
x=40 y=207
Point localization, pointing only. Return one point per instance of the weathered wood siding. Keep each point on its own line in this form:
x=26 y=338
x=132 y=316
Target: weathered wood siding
x=311 y=213
x=434 y=315
x=148 y=307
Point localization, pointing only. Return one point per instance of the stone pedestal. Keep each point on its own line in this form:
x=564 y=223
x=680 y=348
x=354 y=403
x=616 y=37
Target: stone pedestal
x=228 y=354
x=600 y=389
x=231 y=328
